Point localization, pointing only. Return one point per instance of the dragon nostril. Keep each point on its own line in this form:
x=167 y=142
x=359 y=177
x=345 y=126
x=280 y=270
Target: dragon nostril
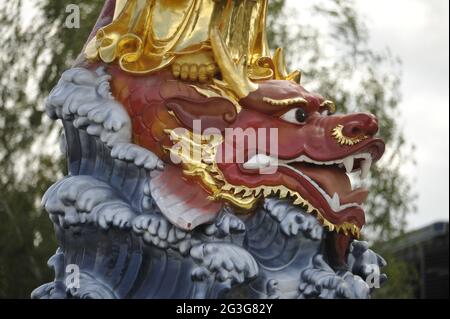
x=355 y=131
x=343 y=136
x=360 y=124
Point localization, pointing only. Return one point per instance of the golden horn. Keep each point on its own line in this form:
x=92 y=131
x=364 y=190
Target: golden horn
x=281 y=72
x=234 y=75
x=280 y=64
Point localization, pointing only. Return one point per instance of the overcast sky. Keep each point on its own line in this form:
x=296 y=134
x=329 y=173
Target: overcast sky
x=417 y=31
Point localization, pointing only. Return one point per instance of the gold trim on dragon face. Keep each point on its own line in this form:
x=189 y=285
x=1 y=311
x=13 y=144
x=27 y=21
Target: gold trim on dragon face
x=199 y=161
x=341 y=139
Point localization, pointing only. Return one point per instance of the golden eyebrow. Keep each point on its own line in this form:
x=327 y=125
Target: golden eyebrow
x=329 y=105
x=285 y=102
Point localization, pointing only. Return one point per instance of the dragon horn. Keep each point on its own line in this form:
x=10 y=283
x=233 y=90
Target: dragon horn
x=281 y=72
x=234 y=75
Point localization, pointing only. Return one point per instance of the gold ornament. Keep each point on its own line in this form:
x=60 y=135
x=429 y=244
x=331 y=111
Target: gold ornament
x=345 y=140
x=197 y=38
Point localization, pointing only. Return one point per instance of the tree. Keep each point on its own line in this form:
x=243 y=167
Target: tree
x=354 y=76
x=29 y=161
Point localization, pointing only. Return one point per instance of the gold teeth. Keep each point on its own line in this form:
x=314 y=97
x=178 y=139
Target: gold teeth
x=227 y=187
x=344 y=140
x=247 y=193
x=283 y=192
x=285 y=102
x=345 y=228
x=237 y=190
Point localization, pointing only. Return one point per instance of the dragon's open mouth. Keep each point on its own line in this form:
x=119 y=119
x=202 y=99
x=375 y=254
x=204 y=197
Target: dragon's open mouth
x=323 y=188
x=326 y=185
x=331 y=179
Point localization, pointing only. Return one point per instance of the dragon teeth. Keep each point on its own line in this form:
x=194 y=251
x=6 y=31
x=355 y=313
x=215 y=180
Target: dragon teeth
x=335 y=202
x=267 y=192
x=283 y=193
x=257 y=191
x=365 y=167
x=238 y=189
x=348 y=163
x=248 y=192
x=258 y=161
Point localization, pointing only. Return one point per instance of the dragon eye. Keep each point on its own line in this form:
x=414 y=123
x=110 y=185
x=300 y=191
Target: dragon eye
x=296 y=116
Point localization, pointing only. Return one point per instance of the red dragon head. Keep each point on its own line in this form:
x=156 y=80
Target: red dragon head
x=301 y=150
x=315 y=150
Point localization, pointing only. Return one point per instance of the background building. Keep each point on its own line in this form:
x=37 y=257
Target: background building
x=426 y=250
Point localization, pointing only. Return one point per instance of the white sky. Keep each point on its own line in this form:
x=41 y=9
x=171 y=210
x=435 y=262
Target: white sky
x=418 y=32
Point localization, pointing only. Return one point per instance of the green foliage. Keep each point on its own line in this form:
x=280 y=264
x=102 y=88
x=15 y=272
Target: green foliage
x=338 y=64
x=403 y=280
x=29 y=160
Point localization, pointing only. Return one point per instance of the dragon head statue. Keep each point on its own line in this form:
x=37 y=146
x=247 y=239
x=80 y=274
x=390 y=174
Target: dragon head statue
x=231 y=130
x=238 y=127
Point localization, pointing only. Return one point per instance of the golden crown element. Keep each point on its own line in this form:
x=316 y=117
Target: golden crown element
x=345 y=140
x=196 y=38
x=199 y=161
